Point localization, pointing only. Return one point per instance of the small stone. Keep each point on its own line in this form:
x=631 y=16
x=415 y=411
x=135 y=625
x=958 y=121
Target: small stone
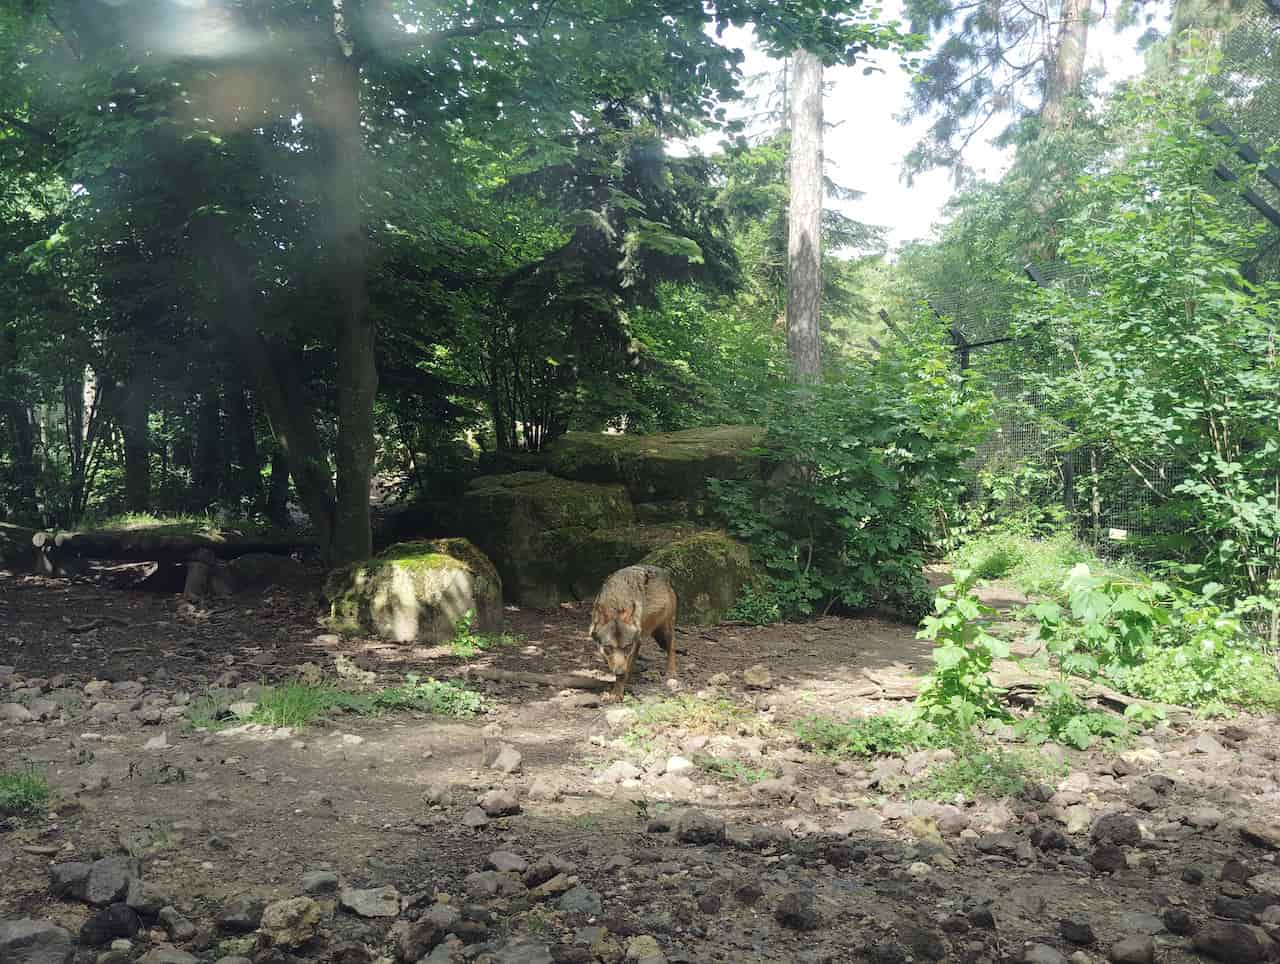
x=504 y=861
x=15 y=713
x=644 y=949
x=291 y=923
x=145 y=898
x=544 y=789
x=1233 y=943
x=69 y=880
x=371 y=902
x=35 y=941
x=1077 y=932
x=619 y=717
x=1177 y=921
x=696 y=827
x=580 y=900
x=475 y=818
x=499 y=803
x=168 y=955
x=108 y=880
x=525 y=952
x=1047 y=838
x=618 y=771
x=241 y=914
x=1116 y=828
x=709 y=903
x=1192 y=875
x=320 y=882
x=720 y=679
x=1266 y=883
x=109 y=923
x=757 y=676
x=506 y=760
x=1260 y=834
x=1207 y=745
x=160 y=742
x=1134 y=950
x=796 y=911
x=1042 y=954
x=1107 y=859
x=417 y=938
x=679 y=764
x=175 y=925
x=1204 y=818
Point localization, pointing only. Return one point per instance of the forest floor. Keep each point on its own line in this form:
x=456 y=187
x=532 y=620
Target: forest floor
x=693 y=827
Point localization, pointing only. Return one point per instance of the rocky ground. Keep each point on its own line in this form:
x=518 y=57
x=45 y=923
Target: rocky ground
x=553 y=828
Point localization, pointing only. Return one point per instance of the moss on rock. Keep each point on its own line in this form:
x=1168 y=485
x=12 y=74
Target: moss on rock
x=708 y=571
x=417 y=591
x=603 y=551
x=656 y=468
x=530 y=523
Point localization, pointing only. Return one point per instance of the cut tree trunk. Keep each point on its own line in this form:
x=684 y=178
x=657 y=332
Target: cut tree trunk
x=804 y=219
x=17 y=551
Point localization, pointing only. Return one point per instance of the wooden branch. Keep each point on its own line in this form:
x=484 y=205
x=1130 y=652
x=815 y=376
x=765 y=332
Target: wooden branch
x=558 y=680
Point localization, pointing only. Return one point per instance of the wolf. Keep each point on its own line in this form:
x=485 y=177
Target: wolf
x=634 y=602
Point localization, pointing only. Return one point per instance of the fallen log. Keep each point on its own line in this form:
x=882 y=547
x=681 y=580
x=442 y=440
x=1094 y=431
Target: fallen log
x=162 y=544
x=561 y=681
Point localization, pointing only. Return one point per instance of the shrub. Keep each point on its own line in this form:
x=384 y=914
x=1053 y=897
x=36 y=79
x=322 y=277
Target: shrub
x=862 y=469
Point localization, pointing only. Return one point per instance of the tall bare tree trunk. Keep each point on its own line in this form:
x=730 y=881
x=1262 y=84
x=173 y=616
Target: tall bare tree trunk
x=136 y=408
x=804 y=219
x=357 y=370
x=1066 y=67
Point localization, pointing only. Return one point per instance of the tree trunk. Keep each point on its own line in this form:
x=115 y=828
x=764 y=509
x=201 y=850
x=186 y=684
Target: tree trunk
x=14 y=410
x=1065 y=70
x=804 y=241
x=246 y=481
x=135 y=409
x=278 y=490
x=352 y=538
x=208 y=470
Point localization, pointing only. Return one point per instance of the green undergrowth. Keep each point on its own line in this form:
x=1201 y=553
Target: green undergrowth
x=299 y=704
x=23 y=792
x=691 y=716
x=737 y=771
x=1034 y=566
x=886 y=734
x=466 y=644
x=983 y=770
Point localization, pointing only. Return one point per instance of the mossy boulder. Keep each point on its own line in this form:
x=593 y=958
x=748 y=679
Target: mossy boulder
x=530 y=524
x=658 y=468
x=600 y=552
x=417 y=591
x=708 y=571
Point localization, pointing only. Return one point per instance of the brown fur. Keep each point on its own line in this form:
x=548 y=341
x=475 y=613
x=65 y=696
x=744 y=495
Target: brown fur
x=634 y=602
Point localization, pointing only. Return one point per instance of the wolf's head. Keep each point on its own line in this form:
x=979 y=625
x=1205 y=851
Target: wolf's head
x=617 y=639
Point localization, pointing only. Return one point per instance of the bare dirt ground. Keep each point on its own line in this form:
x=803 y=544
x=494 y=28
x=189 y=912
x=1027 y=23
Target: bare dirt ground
x=606 y=841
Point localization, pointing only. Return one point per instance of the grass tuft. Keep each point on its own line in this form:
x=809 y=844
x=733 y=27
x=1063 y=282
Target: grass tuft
x=23 y=792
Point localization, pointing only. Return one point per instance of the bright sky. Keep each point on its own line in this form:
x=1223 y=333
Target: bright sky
x=865 y=148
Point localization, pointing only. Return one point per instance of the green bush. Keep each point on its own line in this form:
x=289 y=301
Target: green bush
x=862 y=471
x=959 y=692
x=880 y=735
